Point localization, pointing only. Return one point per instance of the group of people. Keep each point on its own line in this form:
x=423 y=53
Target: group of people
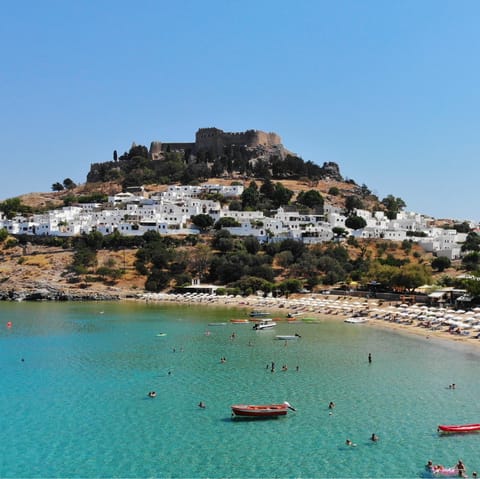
x=459 y=468
x=373 y=438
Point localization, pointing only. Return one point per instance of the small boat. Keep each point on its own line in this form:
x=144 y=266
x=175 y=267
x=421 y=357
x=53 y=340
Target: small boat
x=287 y=337
x=217 y=324
x=258 y=314
x=161 y=334
x=266 y=324
x=458 y=428
x=356 y=320
x=261 y=411
x=240 y=321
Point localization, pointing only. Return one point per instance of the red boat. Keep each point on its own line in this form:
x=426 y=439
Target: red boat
x=261 y=411
x=460 y=428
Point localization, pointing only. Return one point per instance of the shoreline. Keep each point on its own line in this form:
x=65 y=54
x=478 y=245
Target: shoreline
x=420 y=321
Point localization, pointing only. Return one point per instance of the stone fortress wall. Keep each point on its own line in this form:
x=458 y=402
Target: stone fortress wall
x=214 y=139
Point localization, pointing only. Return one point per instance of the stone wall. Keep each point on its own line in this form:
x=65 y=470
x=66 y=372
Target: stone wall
x=216 y=139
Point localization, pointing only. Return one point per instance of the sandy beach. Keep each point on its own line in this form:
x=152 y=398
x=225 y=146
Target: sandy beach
x=428 y=322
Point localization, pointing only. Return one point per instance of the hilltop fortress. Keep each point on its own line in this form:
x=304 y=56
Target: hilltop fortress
x=215 y=140
x=214 y=153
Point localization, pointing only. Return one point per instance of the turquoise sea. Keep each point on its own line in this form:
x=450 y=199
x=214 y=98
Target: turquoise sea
x=75 y=377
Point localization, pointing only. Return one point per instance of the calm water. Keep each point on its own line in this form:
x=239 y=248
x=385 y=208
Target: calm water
x=77 y=405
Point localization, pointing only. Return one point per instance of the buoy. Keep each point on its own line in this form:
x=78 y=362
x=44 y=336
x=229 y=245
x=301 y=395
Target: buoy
x=9 y=324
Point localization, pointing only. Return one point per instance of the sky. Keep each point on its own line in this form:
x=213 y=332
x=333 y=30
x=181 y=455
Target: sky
x=390 y=91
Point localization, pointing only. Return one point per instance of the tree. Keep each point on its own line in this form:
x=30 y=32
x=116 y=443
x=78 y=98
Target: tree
x=471 y=261
x=268 y=188
x=226 y=222
x=200 y=260
x=355 y=222
x=250 y=196
x=57 y=186
x=252 y=245
x=202 y=221
x=353 y=203
x=115 y=155
x=310 y=199
x=12 y=207
x=69 y=184
x=281 y=195
x=339 y=232
x=223 y=241
x=472 y=242
x=462 y=227
x=411 y=276
x=472 y=285
x=441 y=263
x=393 y=206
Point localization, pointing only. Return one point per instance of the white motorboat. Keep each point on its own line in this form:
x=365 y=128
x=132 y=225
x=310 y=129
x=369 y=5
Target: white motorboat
x=356 y=320
x=287 y=337
x=265 y=324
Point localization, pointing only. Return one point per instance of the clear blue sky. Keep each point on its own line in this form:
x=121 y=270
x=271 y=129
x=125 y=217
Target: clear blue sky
x=389 y=90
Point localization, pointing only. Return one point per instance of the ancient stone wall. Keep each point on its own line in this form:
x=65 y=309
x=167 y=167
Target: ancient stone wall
x=216 y=139
x=157 y=148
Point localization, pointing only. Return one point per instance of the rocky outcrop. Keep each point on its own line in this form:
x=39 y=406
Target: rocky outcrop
x=54 y=295
x=332 y=171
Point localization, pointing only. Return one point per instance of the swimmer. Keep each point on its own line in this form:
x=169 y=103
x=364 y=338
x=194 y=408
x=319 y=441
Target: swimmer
x=374 y=437
x=349 y=443
x=331 y=405
x=152 y=394
x=201 y=404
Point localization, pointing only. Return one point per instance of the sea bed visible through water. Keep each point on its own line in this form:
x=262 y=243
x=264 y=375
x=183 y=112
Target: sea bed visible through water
x=75 y=379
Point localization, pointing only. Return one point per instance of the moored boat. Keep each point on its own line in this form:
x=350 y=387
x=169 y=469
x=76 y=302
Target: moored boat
x=261 y=411
x=258 y=314
x=458 y=428
x=266 y=324
x=356 y=320
x=240 y=321
x=287 y=337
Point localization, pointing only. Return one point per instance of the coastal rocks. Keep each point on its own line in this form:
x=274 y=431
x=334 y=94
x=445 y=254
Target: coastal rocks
x=53 y=294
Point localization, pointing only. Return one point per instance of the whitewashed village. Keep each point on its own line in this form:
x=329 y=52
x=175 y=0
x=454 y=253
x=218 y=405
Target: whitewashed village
x=134 y=212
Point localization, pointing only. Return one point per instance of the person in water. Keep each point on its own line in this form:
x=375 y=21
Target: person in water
x=201 y=404
x=349 y=443
x=152 y=394
x=374 y=437
x=461 y=468
x=331 y=405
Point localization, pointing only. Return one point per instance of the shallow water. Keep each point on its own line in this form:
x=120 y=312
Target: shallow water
x=75 y=378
